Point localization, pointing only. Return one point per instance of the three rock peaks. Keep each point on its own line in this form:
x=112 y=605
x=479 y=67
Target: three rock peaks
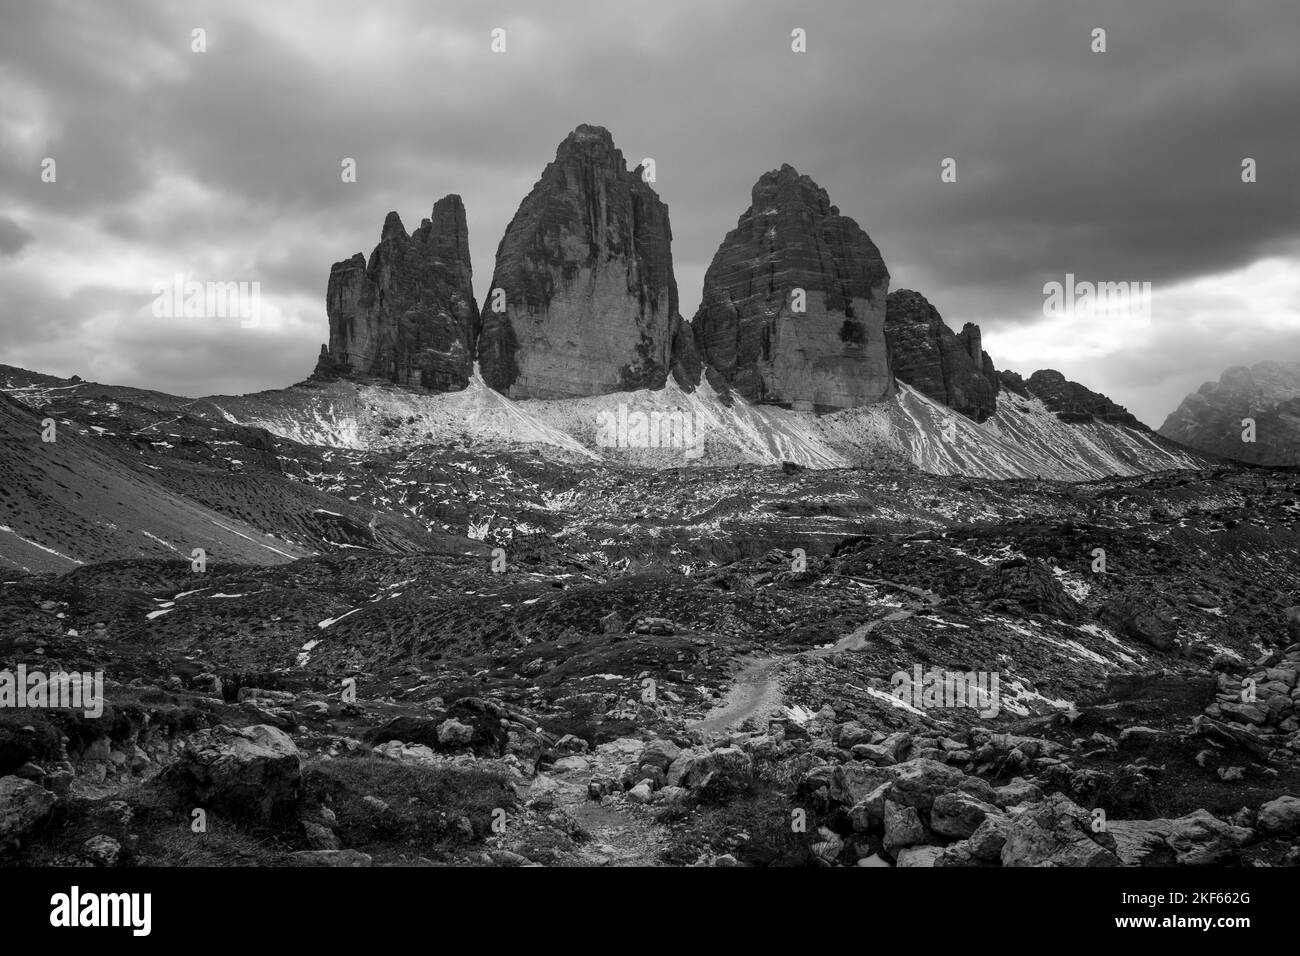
x=796 y=309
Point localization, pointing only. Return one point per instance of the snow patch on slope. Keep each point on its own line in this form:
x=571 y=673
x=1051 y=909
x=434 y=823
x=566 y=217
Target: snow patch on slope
x=1023 y=439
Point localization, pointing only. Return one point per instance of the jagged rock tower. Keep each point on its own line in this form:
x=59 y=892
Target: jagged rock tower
x=409 y=315
x=949 y=367
x=587 y=301
x=829 y=357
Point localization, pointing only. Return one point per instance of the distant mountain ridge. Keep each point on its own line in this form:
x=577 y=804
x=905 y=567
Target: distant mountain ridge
x=1216 y=417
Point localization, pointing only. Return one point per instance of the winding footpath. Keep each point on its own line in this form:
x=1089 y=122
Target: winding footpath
x=757 y=692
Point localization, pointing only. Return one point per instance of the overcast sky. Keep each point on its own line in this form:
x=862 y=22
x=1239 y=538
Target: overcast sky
x=225 y=165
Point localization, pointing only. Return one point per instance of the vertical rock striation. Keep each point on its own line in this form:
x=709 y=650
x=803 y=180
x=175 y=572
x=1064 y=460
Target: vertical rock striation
x=950 y=368
x=409 y=315
x=831 y=356
x=586 y=274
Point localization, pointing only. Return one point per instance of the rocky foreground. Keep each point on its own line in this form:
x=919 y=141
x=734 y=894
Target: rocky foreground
x=630 y=690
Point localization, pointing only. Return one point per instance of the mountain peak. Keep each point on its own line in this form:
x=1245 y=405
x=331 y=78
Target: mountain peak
x=393 y=228
x=793 y=311
x=407 y=316
x=587 y=132
x=1213 y=417
x=586 y=268
x=787 y=185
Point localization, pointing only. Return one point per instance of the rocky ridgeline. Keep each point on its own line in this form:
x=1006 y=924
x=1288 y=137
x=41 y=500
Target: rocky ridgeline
x=794 y=302
x=950 y=368
x=1211 y=418
x=1070 y=401
x=408 y=316
x=586 y=272
x=796 y=309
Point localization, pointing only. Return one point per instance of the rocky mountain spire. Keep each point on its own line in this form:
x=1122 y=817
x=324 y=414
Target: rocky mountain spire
x=949 y=367
x=587 y=301
x=750 y=328
x=409 y=315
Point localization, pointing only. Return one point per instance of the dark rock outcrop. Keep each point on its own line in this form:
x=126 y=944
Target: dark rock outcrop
x=408 y=316
x=950 y=368
x=831 y=356
x=253 y=772
x=1013 y=382
x=1210 y=419
x=1075 y=403
x=586 y=268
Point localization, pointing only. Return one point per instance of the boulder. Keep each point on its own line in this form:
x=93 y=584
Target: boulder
x=1201 y=839
x=1141 y=621
x=981 y=848
x=102 y=850
x=1056 y=832
x=870 y=813
x=1242 y=712
x=570 y=745
x=958 y=814
x=852 y=782
x=452 y=733
x=827 y=847
x=903 y=828
x=1016 y=792
x=320 y=837
x=1281 y=816
x=24 y=807
x=525 y=744
x=408 y=729
x=254 y=772
x=659 y=753
x=919 y=856
x=1141 y=842
x=642 y=792
x=726 y=768
x=917 y=783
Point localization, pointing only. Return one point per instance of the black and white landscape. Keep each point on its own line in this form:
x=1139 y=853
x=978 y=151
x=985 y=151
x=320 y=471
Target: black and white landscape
x=867 y=511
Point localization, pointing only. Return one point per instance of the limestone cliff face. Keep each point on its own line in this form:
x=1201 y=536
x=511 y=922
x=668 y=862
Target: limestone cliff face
x=409 y=315
x=748 y=329
x=585 y=271
x=949 y=367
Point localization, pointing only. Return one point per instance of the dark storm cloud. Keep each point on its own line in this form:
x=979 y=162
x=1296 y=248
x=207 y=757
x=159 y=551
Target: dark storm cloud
x=1122 y=165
